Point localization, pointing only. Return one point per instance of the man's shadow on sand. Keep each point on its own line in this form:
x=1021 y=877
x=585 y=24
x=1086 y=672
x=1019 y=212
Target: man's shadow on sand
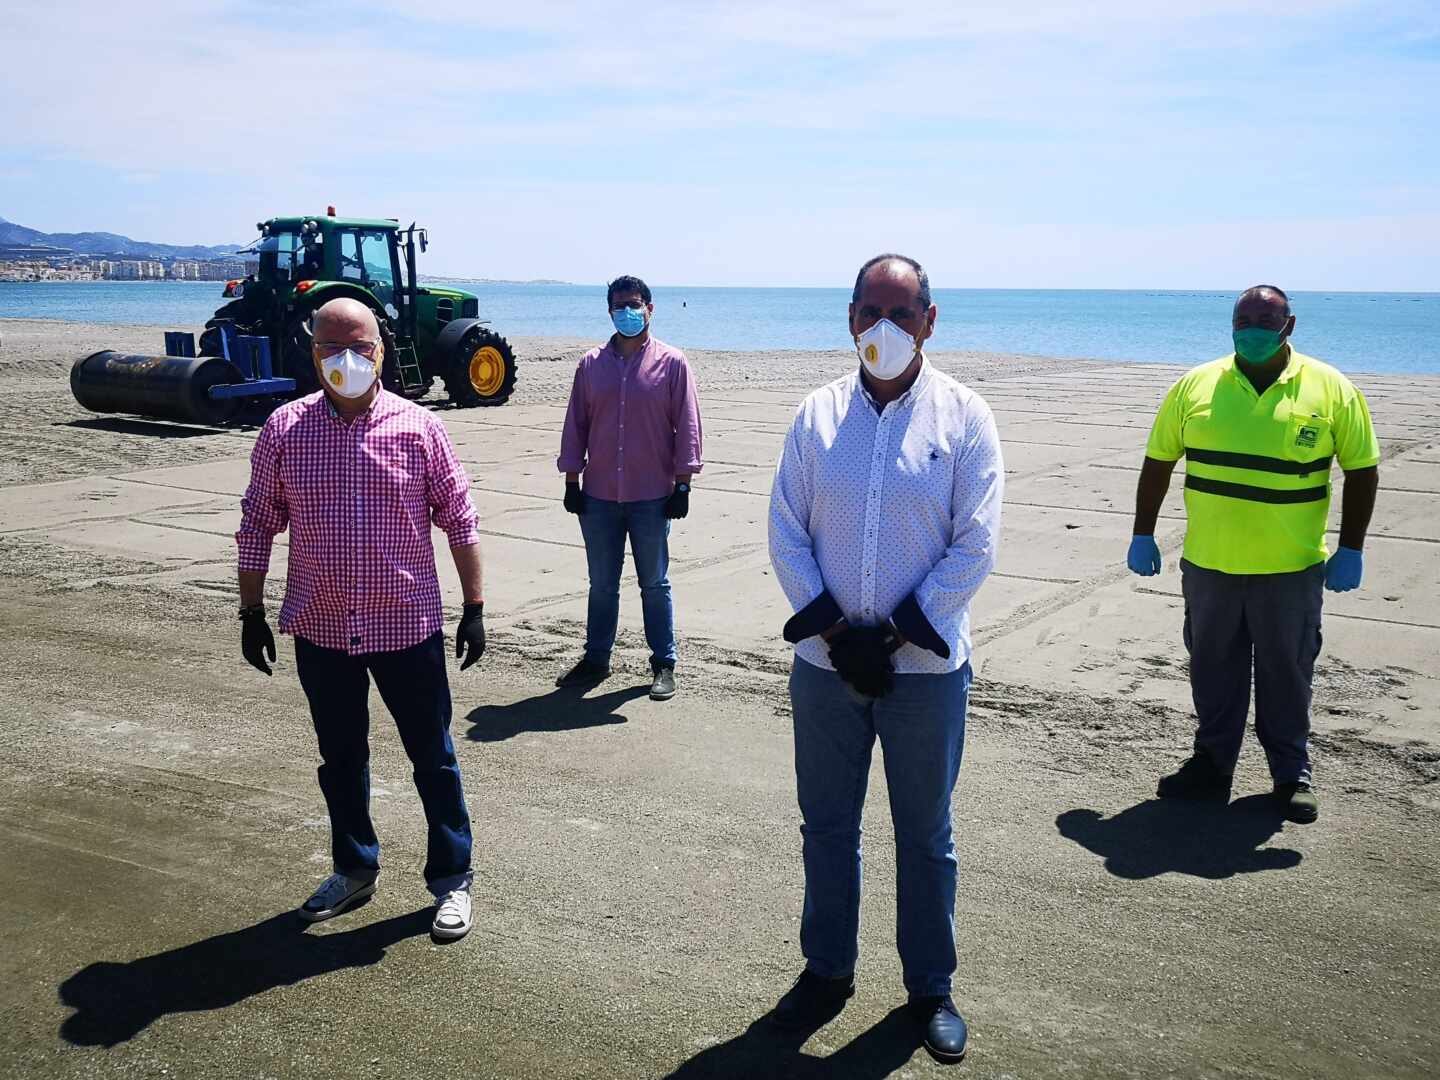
x=1163 y=836
x=115 y=1002
x=562 y=709
x=762 y=1051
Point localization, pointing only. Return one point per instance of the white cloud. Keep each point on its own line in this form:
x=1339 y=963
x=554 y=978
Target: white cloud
x=815 y=128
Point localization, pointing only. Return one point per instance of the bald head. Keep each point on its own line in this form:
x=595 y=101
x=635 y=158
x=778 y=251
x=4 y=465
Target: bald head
x=345 y=320
x=338 y=326
x=899 y=268
x=1264 y=306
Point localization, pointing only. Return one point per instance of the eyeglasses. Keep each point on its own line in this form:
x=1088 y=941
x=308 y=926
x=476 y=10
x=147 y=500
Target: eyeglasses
x=366 y=349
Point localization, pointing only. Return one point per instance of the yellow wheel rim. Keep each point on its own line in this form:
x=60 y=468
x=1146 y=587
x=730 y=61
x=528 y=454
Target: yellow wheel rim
x=487 y=371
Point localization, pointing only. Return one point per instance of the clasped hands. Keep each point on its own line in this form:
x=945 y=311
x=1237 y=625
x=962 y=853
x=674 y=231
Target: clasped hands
x=863 y=655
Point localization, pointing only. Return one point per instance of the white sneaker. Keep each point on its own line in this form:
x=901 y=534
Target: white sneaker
x=336 y=893
x=452 y=915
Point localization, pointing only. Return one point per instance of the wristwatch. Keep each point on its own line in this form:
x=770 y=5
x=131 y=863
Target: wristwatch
x=251 y=610
x=685 y=488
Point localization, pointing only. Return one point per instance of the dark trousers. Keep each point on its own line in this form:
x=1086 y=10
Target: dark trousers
x=1268 y=622
x=413 y=684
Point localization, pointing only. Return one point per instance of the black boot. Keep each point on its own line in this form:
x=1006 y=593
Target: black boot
x=1198 y=778
x=1298 y=801
x=812 y=1002
x=946 y=1033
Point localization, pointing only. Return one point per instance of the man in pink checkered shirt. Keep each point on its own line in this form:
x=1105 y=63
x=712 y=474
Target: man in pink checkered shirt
x=358 y=475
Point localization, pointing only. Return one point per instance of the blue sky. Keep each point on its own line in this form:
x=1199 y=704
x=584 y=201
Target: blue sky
x=1043 y=144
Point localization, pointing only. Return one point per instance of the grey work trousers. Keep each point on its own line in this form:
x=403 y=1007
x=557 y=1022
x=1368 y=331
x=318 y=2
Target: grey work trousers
x=1270 y=622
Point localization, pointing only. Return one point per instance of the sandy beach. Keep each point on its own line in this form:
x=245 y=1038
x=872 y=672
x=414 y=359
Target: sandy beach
x=638 y=870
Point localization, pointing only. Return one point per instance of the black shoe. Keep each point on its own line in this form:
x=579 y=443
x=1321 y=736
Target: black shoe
x=1299 y=801
x=812 y=1002
x=586 y=673
x=946 y=1033
x=663 y=687
x=1198 y=778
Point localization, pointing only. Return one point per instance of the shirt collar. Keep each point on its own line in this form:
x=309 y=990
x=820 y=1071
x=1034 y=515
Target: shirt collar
x=615 y=348
x=922 y=379
x=370 y=413
x=1292 y=367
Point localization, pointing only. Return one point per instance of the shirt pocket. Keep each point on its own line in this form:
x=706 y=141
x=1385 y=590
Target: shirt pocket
x=1308 y=438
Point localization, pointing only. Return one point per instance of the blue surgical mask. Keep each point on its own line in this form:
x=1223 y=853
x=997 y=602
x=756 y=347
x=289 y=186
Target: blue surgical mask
x=628 y=321
x=1255 y=344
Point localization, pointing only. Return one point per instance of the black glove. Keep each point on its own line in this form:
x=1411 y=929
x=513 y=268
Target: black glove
x=471 y=633
x=910 y=620
x=256 y=640
x=574 y=497
x=678 y=504
x=814 y=618
x=862 y=657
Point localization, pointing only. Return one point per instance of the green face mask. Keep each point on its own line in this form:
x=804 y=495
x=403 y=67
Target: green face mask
x=1255 y=344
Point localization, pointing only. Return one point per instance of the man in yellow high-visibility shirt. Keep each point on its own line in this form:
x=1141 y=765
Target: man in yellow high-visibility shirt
x=1258 y=429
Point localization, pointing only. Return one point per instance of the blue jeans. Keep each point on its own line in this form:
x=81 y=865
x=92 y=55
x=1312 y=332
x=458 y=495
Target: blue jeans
x=414 y=687
x=921 y=727
x=605 y=525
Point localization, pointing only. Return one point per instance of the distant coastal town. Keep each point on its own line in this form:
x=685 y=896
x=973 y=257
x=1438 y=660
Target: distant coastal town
x=30 y=264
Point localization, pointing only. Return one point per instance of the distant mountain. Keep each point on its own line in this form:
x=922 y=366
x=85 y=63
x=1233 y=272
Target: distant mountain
x=103 y=243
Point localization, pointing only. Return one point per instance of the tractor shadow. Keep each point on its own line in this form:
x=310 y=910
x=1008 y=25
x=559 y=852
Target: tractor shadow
x=562 y=709
x=160 y=429
x=1174 y=836
x=114 y=1002
x=763 y=1050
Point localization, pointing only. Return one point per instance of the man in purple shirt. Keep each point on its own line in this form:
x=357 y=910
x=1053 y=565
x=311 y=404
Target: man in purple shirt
x=636 y=480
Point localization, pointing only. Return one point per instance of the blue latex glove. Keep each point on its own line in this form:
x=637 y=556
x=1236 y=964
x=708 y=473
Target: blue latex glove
x=1144 y=557
x=1344 y=570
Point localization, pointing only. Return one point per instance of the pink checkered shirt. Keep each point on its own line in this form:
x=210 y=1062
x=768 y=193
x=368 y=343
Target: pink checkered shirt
x=358 y=499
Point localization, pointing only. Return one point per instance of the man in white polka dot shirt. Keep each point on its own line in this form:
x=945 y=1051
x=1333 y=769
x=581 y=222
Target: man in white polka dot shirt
x=884 y=521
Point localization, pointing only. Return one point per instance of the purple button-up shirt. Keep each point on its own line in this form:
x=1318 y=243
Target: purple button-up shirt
x=632 y=426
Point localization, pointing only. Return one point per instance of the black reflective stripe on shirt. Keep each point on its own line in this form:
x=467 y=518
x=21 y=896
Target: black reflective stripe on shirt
x=1255 y=494
x=1258 y=462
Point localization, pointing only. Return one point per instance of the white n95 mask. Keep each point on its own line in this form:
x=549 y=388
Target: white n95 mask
x=885 y=350
x=348 y=373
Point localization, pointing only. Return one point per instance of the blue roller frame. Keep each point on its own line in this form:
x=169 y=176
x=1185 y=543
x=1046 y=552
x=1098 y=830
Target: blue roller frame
x=250 y=355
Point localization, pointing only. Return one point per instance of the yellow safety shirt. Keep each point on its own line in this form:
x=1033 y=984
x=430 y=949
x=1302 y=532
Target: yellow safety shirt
x=1257 y=471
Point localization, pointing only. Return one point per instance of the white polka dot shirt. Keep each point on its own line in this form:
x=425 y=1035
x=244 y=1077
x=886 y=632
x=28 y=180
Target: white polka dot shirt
x=873 y=506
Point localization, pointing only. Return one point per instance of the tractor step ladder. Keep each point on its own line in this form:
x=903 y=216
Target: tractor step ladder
x=411 y=377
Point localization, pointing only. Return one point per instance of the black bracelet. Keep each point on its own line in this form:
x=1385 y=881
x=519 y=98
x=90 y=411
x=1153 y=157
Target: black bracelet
x=252 y=610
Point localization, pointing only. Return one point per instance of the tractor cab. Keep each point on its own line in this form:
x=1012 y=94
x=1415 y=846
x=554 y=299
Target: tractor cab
x=291 y=251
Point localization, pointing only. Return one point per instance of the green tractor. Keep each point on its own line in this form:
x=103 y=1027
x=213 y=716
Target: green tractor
x=428 y=332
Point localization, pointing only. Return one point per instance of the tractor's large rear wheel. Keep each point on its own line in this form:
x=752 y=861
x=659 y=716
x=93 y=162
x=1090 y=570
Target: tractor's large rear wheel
x=482 y=370
x=297 y=352
x=239 y=312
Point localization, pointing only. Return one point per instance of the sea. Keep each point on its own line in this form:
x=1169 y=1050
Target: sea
x=1371 y=332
